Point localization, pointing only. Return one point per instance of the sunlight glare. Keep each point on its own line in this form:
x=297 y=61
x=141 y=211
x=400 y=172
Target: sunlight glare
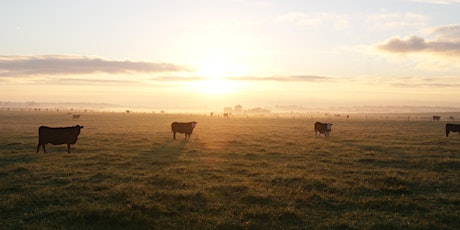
x=216 y=74
x=218 y=68
x=216 y=86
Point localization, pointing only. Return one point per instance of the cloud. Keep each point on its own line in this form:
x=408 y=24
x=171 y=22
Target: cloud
x=421 y=83
x=175 y=78
x=403 y=45
x=337 y=21
x=446 y=42
x=444 y=2
x=295 y=78
x=85 y=81
x=11 y=66
x=390 y=21
x=447 y=33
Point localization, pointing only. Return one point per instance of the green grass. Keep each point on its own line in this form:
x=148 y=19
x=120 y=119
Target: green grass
x=126 y=172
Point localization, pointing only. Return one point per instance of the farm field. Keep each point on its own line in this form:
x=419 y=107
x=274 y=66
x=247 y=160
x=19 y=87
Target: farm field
x=126 y=172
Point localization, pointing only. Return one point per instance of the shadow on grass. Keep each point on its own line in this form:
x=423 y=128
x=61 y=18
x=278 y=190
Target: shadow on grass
x=163 y=153
x=171 y=147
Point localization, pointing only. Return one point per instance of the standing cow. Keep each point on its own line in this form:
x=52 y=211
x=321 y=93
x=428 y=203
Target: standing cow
x=323 y=128
x=58 y=136
x=181 y=127
x=452 y=128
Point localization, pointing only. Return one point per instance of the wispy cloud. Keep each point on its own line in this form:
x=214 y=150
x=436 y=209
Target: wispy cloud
x=337 y=21
x=11 y=66
x=437 y=1
x=420 y=83
x=176 y=78
x=295 y=78
x=86 y=81
x=390 y=21
x=446 y=42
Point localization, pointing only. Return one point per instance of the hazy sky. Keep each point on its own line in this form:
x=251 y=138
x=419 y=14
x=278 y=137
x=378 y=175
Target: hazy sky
x=228 y=52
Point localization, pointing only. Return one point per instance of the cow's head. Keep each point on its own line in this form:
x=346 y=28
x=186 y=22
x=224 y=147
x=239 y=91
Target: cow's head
x=194 y=124
x=329 y=127
x=78 y=127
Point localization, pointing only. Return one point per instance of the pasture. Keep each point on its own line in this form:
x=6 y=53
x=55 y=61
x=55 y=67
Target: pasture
x=126 y=172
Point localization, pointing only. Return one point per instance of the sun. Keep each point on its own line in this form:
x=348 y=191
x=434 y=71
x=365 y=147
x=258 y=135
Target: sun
x=218 y=76
x=219 y=68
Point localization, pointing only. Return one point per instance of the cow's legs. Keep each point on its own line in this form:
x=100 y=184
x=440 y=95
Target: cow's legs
x=38 y=147
x=68 y=148
x=174 y=135
x=44 y=149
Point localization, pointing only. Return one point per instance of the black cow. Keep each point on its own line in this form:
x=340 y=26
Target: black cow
x=181 y=127
x=58 y=136
x=323 y=128
x=452 y=128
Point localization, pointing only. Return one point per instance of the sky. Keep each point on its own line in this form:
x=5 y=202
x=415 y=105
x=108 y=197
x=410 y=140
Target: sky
x=218 y=53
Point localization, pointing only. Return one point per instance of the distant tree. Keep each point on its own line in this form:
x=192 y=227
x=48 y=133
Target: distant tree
x=238 y=108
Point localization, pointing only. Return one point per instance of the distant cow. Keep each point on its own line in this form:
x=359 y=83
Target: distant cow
x=75 y=116
x=452 y=128
x=181 y=127
x=323 y=128
x=436 y=118
x=58 y=136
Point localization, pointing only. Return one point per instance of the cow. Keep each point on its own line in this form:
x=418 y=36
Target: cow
x=452 y=128
x=58 y=136
x=75 y=116
x=323 y=128
x=436 y=118
x=183 y=127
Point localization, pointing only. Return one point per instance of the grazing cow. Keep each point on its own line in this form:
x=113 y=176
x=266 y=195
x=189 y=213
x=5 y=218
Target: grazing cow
x=323 y=128
x=181 y=127
x=452 y=128
x=436 y=118
x=75 y=116
x=58 y=136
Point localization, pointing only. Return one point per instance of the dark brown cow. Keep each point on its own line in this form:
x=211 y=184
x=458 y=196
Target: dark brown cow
x=323 y=128
x=452 y=128
x=58 y=136
x=183 y=127
x=436 y=118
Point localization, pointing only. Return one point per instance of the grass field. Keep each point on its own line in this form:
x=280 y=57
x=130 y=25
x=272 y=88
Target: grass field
x=126 y=172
